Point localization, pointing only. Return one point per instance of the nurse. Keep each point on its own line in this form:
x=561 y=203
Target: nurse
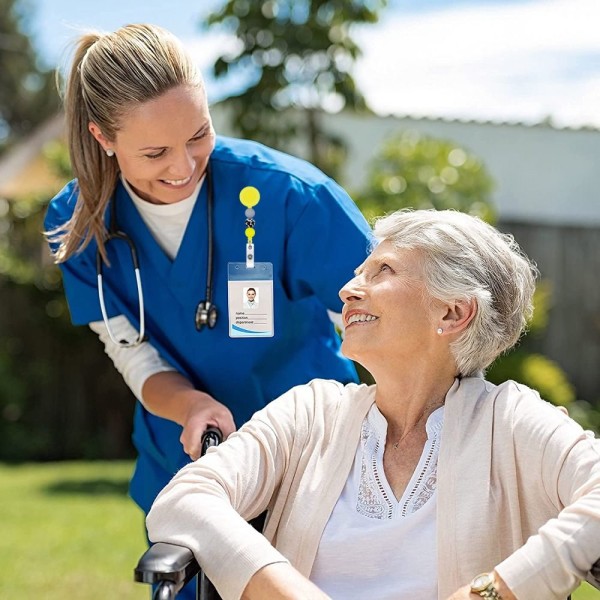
x=204 y=218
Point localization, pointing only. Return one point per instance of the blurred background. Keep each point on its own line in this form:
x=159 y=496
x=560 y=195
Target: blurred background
x=490 y=107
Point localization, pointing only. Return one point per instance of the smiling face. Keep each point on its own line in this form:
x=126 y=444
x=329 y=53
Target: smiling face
x=387 y=314
x=163 y=145
x=251 y=295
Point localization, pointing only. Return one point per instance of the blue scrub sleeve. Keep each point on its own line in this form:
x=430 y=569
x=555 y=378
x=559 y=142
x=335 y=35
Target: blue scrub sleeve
x=81 y=290
x=79 y=272
x=326 y=243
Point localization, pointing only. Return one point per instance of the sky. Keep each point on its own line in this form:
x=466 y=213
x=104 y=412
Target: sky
x=499 y=60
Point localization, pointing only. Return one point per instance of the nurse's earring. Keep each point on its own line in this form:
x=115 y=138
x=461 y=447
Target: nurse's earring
x=110 y=152
x=440 y=331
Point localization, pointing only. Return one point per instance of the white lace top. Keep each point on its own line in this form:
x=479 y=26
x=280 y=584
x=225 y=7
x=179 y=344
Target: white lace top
x=375 y=546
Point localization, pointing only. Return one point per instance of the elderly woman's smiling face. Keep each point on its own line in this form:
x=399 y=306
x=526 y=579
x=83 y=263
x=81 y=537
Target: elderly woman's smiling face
x=387 y=312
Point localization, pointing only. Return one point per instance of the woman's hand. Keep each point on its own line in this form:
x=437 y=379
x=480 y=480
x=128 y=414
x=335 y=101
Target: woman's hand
x=465 y=593
x=280 y=581
x=171 y=396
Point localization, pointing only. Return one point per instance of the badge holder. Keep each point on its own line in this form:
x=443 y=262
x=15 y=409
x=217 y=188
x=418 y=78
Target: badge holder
x=250 y=284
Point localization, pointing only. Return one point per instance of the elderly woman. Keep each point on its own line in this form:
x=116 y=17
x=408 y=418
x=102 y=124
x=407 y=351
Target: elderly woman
x=432 y=483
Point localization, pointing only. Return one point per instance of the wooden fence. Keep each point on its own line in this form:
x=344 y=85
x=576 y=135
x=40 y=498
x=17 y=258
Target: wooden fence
x=569 y=257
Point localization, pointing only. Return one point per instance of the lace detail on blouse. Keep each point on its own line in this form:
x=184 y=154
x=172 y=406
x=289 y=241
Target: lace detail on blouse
x=375 y=498
x=373 y=501
x=426 y=482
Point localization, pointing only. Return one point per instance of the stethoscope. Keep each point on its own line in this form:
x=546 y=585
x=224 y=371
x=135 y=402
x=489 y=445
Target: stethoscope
x=206 y=311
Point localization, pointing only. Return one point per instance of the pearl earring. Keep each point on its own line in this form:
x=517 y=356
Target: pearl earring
x=440 y=331
x=110 y=152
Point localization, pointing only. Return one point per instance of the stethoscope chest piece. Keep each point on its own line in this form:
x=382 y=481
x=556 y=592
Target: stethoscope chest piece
x=206 y=315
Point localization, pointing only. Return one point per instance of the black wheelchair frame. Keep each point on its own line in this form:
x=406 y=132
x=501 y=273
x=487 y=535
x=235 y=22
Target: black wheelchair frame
x=170 y=567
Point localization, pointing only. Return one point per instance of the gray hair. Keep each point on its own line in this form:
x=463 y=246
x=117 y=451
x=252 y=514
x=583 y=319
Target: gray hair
x=466 y=259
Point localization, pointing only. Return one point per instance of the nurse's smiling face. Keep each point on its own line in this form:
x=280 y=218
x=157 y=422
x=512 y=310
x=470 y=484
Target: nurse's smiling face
x=163 y=145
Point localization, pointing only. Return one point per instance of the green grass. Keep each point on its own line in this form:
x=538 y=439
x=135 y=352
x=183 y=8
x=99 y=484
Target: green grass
x=586 y=592
x=69 y=530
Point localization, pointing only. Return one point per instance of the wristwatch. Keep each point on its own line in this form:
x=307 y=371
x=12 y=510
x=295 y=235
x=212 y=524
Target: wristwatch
x=484 y=586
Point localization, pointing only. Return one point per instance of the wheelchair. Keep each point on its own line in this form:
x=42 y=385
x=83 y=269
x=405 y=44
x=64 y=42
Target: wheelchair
x=170 y=567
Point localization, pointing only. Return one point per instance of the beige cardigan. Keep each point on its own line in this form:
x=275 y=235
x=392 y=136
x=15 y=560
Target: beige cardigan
x=509 y=463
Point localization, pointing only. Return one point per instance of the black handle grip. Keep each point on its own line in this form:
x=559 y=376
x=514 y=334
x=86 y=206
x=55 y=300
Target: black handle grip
x=211 y=437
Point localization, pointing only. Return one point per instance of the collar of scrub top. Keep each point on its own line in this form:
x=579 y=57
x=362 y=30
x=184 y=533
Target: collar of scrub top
x=206 y=312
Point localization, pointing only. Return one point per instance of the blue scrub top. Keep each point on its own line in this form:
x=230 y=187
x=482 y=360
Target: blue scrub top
x=306 y=225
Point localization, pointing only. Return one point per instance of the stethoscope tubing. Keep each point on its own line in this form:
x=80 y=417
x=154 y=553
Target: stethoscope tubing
x=210 y=242
x=206 y=312
x=138 y=280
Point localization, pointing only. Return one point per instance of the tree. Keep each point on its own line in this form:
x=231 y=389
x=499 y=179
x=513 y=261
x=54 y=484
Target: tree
x=301 y=54
x=416 y=171
x=60 y=396
x=27 y=91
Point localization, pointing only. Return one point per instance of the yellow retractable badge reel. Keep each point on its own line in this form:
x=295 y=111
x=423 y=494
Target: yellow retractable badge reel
x=250 y=197
x=256 y=275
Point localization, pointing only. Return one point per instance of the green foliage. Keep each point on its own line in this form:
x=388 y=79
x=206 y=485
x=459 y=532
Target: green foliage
x=586 y=414
x=60 y=396
x=21 y=222
x=537 y=372
x=27 y=92
x=541 y=302
x=413 y=170
x=531 y=368
x=299 y=54
x=57 y=155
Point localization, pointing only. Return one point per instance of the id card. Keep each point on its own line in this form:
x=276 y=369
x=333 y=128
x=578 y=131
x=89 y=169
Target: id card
x=250 y=299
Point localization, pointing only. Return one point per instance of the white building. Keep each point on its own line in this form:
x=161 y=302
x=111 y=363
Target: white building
x=546 y=194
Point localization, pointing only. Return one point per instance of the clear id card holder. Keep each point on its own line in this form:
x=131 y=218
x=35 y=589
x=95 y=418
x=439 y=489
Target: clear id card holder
x=250 y=299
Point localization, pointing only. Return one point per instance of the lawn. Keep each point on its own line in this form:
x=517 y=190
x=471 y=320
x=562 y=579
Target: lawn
x=69 y=530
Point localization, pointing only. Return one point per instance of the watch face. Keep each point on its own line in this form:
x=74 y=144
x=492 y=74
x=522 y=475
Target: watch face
x=481 y=582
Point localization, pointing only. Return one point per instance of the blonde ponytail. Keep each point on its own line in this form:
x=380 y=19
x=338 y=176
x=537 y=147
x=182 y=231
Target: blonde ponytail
x=110 y=74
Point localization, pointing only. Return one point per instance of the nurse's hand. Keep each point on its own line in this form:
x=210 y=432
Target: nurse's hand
x=204 y=412
x=170 y=395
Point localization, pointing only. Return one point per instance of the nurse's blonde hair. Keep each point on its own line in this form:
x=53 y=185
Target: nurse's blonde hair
x=111 y=73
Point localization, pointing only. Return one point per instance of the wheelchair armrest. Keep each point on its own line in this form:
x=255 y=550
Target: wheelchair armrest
x=166 y=562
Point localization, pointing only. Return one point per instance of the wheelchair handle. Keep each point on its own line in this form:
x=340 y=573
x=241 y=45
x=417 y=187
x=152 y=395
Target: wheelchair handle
x=211 y=437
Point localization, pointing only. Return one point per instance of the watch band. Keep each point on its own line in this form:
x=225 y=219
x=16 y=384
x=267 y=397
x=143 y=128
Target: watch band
x=484 y=586
x=491 y=593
